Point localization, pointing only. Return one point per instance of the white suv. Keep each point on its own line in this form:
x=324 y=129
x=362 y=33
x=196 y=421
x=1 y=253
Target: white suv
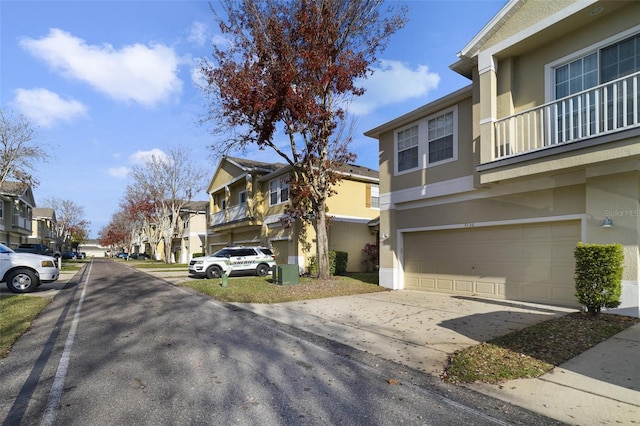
x=233 y=259
x=24 y=272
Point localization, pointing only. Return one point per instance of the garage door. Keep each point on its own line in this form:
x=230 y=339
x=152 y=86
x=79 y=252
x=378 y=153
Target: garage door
x=533 y=262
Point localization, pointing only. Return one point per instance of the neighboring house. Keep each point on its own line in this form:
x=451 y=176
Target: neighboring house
x=192 y=239
x=487 y=191
x=247 y=203
x=43 y=227
x=92 y=248
x=16 y=213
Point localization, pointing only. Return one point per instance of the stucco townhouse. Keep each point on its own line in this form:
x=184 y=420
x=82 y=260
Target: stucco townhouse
x=487 y=190
x=16 y=213
x=247 y=203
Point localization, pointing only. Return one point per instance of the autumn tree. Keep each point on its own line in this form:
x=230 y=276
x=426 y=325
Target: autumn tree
x=117 y=234
x=290 y=68
x=71 y=227
x=168 y=181
x=21 y=150
x=143 y=214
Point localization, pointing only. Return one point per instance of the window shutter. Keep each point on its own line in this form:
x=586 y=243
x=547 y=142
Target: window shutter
x=367 y=200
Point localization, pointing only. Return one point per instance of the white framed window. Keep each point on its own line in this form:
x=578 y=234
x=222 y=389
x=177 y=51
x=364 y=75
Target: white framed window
x=596 y=65
x=375 y=196
x=242 y=197
x=278 y=191
x=407 y=148
x=429 y=142
x=442 y=137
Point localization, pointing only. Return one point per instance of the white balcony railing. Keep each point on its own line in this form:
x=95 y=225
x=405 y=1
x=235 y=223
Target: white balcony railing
x=237 y=212
x=607 y=108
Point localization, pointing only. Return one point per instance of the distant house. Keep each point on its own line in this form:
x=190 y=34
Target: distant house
x=248 y=200
x=43 y=227
x=192 y=237
x=16 y=213
x=92 y=248
x=487 y=190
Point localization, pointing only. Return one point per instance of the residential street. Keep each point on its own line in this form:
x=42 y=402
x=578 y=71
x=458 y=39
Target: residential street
x=118 y=346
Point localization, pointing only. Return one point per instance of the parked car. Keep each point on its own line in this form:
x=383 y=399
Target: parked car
x=69 y=255
x=81 y=255
x=24 y=272
x=139 y=256
x=34 y=248
x=233 y=259
x=122 y=255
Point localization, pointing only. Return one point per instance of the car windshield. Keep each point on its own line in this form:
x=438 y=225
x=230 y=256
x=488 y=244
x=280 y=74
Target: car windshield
x=5 y=249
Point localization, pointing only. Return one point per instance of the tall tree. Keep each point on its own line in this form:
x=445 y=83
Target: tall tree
x=292 y=65
x=169 y=182
x=21 y=150
x=71 y=224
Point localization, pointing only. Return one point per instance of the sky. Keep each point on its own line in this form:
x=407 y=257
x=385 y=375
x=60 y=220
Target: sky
x=108 y=83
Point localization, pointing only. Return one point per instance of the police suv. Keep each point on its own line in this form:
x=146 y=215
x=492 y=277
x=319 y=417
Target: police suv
x=233 y=259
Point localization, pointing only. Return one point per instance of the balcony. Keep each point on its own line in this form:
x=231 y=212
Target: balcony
x=232 y=214
x=605 y=109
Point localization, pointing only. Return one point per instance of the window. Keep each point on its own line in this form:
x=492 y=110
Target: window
x=601 y=65
x=440 y=138
x=278 y=191
x=242 y=197
x=407 y=148
x=375 y=196
x=429 y=142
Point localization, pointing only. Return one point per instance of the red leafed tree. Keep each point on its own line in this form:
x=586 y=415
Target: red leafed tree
x=290 y=68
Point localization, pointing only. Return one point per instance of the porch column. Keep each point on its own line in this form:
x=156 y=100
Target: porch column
x=488 y=105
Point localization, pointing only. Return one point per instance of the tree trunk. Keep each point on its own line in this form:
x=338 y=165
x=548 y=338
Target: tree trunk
x=322 y=245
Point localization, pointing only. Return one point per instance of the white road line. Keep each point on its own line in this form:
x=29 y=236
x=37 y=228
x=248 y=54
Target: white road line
x=57 y=387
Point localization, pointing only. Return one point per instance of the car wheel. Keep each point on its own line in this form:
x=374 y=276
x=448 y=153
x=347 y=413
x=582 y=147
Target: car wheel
x=214 y=272
x=22 y=281
x=262 y=270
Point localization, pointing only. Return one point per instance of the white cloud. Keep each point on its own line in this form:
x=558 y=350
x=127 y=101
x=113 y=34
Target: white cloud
x=45 y=108
x=118 y=172
x=393 y=82
x=198 y=34
x=139 y=157
x=143 y=74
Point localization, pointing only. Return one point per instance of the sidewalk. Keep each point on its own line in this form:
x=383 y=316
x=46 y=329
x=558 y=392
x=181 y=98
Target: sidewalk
x=420 y=329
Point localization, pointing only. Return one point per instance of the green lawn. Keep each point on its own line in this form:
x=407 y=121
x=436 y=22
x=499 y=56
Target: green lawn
x=252 y=289
x=16 y=315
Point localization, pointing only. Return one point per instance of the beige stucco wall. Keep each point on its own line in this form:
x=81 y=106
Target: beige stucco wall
x=463 y=166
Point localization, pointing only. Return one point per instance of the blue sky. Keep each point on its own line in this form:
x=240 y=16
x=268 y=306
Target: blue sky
x=108 y=82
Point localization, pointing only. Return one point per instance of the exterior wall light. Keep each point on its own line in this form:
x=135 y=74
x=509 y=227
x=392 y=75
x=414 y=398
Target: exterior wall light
x=607 y=223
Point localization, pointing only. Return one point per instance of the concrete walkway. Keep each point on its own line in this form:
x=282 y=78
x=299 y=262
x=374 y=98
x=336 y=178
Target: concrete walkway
x=420 y=329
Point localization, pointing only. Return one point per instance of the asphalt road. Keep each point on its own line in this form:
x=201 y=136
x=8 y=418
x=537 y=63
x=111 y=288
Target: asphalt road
x=118 y=346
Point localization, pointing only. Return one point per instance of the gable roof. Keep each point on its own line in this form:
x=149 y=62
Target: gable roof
x=252 y=165
x=195 y=206
x=528 y=24
x=18 y=190
x=44 y=213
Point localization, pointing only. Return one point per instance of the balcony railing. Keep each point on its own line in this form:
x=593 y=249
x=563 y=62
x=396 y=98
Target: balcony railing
x=232 y=214
x=607 y=108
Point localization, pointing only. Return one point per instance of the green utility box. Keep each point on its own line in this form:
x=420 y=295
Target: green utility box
x=286 y=274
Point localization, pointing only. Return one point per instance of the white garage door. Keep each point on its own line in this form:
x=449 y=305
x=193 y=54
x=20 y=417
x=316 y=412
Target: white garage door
x=533 y=262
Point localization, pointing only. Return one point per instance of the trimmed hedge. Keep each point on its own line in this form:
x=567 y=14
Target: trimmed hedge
x=337 y=263
x=599 y=275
